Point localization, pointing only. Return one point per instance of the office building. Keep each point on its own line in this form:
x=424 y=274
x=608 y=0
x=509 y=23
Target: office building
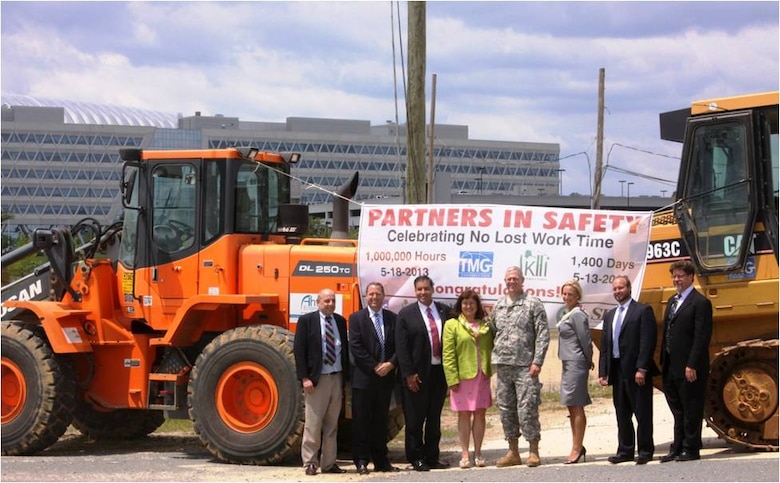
x=60 y=160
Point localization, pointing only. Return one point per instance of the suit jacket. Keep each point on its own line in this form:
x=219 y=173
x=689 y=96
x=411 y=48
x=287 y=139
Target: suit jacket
x=412 y=344
x=307 y=347
x=365 y=349
x=574 y=343
x=637 y=341
x=691 y=330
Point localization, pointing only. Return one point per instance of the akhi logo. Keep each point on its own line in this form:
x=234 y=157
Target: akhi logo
x=534 y=265
x=309 y=303
x=475 y=264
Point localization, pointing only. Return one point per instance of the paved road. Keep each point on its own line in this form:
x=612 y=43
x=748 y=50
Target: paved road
x=181 y=458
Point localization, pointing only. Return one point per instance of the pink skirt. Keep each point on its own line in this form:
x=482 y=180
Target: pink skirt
x=472 y=394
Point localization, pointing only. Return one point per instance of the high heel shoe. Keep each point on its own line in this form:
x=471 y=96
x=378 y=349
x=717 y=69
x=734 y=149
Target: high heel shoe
x=582 y=454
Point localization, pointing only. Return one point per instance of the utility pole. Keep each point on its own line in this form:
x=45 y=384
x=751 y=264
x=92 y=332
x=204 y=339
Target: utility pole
x=431 y=138
x=415 y=107
x=595 y=203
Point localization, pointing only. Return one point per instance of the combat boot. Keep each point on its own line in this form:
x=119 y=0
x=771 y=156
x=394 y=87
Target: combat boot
x=533 y=454
x=512 y=457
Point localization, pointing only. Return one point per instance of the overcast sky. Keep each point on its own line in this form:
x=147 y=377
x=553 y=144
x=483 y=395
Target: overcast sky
x=514 y=71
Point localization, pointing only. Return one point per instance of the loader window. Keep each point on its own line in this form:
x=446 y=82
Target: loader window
x=251 y=214
x=173 y=211
x=127 y=248
x=715 y=209
x=212 y=202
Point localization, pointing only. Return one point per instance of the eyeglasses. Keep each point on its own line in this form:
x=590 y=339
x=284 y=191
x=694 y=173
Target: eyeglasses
x=512 y=279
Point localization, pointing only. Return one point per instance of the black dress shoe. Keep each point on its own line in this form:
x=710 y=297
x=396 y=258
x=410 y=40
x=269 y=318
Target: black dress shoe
x=620 y=458
x=335 y=470
x=387 y=469
x=669 y=457
x=687 y=456
x=362 y=468
x=643 y=460
x=311 y=470
x=438 y=465
x=420 y=465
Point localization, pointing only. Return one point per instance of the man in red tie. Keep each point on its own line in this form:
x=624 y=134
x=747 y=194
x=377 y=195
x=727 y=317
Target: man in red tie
x=418 y=347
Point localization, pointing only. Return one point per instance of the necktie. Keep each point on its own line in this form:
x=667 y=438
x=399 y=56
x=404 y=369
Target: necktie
x=616 y=334
x=379 y=334
x=435 y=340
x=330 y=342
x=673 y=303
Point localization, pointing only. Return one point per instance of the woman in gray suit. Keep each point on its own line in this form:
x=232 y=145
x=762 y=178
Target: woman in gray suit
x=576 y=354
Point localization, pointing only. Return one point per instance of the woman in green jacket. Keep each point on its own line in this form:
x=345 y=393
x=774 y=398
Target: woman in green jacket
x=466 y=346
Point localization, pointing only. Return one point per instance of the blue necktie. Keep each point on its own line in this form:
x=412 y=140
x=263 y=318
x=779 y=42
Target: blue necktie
x=616 y=334
x=379 y=334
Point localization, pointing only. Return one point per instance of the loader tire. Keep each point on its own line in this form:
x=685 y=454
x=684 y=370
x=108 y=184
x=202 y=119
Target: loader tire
x=244 y=397
x=115 y=425
x=395 y=422
x=37 y=391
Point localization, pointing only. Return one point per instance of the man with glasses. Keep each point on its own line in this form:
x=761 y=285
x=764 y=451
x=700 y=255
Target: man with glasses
x=685 y=361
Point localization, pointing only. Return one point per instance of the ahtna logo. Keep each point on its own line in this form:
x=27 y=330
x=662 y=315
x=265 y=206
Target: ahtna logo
x=309 y=303
x=475 y=264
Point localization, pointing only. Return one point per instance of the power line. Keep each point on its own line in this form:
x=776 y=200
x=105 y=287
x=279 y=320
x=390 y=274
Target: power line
x=640 y=175
x=641 y=151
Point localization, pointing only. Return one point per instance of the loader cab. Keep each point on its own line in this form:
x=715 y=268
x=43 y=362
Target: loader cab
x=179 y=202
x=727 y=188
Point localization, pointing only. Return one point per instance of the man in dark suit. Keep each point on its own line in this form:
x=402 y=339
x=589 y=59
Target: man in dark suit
x=418 y=346
x=372 y=347
x=629 y=368
x=685 y=361
x=322 y=366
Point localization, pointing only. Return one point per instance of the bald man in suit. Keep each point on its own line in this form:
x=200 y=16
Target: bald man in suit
x=626 y=363
x=322 y=365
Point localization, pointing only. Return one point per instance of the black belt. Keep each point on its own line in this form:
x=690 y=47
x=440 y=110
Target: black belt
x=331 y=373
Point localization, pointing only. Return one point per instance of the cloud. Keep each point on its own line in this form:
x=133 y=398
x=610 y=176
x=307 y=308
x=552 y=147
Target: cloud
x=514 y=71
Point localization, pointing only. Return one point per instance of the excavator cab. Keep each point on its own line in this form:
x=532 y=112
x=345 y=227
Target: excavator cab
x=728 y=185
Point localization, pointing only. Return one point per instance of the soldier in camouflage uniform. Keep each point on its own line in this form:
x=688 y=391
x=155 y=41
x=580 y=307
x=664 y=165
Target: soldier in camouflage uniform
x=519 y=323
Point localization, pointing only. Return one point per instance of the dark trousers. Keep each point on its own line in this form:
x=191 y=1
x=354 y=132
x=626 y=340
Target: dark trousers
x=370 y=407
x=422 y=409
x=686 y=403
x=632 y=400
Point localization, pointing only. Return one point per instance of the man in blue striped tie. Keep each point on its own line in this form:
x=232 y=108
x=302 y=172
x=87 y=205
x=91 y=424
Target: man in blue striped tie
x=372 y=347
x=322 y=366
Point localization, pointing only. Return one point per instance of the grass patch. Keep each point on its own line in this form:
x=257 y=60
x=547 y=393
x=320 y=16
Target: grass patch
x=550 y=402
x=176 y=426
x=596 y=391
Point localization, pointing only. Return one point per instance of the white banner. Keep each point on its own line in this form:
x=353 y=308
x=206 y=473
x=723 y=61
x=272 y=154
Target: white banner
x=470 y=246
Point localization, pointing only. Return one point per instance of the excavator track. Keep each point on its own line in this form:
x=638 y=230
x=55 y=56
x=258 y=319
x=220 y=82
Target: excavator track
x=742 y=397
